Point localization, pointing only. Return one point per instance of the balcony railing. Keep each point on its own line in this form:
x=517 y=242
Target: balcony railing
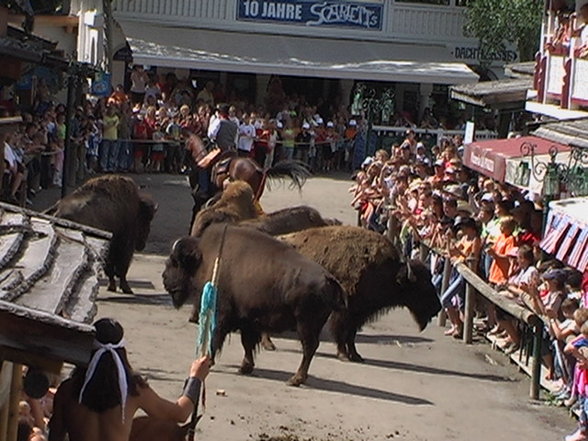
x=400 y=21
x=562 y=67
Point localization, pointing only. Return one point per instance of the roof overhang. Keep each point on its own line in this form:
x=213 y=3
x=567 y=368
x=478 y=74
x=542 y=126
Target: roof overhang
x=500 y=94
x=292 y=55
x=573 y=133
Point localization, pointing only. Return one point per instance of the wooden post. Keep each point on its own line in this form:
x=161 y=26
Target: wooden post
x=423 y=252
x=470 y=302
x=536 y=362
x=442 y=319
x=4 y=408
x=15 y=391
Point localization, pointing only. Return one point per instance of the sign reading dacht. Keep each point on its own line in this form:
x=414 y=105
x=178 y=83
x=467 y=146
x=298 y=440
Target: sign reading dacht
x=313 y=13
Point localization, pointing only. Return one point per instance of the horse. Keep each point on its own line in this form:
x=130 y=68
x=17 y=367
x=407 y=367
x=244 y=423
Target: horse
x=215 y=167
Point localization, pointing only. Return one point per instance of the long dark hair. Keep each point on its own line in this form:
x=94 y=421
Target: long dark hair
x=102 y=392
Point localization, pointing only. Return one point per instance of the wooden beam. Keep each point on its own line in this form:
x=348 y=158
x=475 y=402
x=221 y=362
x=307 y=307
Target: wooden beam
x=51 y=337
x=498 y=299
x=31 y=359
x=15 y=392
x=58 y=221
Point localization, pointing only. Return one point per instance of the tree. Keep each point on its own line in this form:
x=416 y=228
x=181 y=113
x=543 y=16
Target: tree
x=497 y=22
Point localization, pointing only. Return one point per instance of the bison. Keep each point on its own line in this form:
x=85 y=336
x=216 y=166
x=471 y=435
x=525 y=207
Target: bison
x=289 y=220
x=236 y=203
x=373 y=276
x=112 y=203
x=264 y=286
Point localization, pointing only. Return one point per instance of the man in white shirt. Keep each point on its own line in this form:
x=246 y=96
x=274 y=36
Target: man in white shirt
x=246 y=137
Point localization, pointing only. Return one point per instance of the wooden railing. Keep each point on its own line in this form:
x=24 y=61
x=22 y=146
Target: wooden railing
x=475 y=287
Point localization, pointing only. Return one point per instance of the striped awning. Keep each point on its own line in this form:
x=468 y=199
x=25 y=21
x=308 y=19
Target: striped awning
x=566 y=235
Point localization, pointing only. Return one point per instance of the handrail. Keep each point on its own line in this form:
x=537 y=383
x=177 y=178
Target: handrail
x=514 y=309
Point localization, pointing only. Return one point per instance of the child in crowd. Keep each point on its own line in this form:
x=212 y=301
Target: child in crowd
x=579 y=349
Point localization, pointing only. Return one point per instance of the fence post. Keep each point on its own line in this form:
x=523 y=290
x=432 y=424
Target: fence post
x=536 y=362
x=442 y=319
x=470 y=301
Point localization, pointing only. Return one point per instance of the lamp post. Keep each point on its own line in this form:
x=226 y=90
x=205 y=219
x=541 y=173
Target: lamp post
x=570 y=178
x=369 y=105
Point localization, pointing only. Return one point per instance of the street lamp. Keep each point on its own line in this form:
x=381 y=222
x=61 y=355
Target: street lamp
x=366 y=102
x=559 y=177
x=570 y=178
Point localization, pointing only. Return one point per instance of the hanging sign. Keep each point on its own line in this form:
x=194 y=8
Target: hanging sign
x=328 y=13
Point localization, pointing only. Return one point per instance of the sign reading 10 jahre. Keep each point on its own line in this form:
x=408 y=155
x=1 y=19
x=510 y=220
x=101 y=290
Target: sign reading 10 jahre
x=313 y=13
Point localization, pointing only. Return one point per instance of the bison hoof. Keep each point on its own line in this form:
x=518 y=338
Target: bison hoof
x=125 y=288
x=356 y=358
x=296 y=380
x=111 y=287
x=343 y=356
x=246 y=368
x=268 y=345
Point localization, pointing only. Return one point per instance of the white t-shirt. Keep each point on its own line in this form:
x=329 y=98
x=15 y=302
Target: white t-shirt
x=139 y=80
x=526 y=276
x=246 y=136
x=9 y=156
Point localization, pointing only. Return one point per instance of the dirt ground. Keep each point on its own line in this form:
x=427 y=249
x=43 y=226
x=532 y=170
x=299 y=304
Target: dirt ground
x=413 y=386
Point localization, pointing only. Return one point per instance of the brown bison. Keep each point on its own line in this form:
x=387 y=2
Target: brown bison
x=236 y=203
x=371 y=272
x=289 y=220
x=112 y=203
x=265 y=285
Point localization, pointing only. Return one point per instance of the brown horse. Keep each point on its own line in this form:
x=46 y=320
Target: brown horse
x=226 y=166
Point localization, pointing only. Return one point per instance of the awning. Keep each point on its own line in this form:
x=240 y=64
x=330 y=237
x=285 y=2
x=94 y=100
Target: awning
x=566 y=235
x=500 y=94
x=290 y=55
x=489 y=157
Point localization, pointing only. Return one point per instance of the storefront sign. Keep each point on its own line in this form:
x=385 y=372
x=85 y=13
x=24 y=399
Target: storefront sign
x=328 y=13
x=475 y=54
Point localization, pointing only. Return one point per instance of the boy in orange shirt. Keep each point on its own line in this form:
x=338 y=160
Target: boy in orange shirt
x=501 y=264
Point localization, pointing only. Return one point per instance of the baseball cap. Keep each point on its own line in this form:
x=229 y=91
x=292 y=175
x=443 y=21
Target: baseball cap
x=464 y=206
x=330 y=124
x=487 y=197
x=352 y=123
x=280 y=125
x=438 y=163
x=420 y=145
x=555 y=274
x=367 y=161
x=320 y=121
x=305 y=125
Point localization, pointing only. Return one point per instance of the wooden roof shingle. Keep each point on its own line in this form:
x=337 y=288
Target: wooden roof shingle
x=48 y=285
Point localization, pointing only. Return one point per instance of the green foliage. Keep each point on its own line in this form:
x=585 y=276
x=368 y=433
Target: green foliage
x=495 y=22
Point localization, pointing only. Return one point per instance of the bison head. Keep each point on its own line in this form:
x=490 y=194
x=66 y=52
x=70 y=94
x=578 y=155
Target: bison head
x=180 y=269
x=419 y=294
x=147 y=209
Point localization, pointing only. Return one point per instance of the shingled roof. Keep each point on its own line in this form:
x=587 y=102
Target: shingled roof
x=571 y=132
x=48 y=285
x=496 y=94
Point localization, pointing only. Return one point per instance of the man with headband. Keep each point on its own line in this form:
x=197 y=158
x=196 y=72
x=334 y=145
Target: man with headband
x=98 y=403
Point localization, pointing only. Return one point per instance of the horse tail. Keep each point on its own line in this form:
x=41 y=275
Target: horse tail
x=297 y=171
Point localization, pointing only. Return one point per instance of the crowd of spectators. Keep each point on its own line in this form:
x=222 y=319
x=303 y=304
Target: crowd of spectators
x=143 y=130
x=420 y=196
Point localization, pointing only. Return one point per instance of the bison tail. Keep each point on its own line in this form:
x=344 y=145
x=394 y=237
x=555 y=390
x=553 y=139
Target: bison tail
x=297 y=171
x=337 y=297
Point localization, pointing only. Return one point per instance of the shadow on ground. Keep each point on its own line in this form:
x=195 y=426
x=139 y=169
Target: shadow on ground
x=138 y=299
x=336 y=386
